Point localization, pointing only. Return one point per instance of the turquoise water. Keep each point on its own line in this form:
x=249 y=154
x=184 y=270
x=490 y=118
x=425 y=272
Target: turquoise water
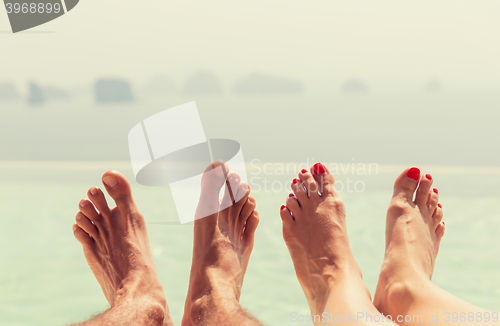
x=44 y=279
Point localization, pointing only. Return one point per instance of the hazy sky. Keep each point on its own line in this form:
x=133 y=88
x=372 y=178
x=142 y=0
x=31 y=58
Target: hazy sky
x=386 y=42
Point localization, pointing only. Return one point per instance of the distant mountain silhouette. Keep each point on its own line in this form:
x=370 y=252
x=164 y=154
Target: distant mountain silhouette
x=354 y=86
x=159 y=85
x=255 y=84
x=203 y=83
x=8 y=92
x=113 y=91
x=434 y=85
x=36 y=95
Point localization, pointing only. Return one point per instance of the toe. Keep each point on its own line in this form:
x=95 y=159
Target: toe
x=119 y=189
x=299 y=191
x=97 y=197
x=438 y=215
x=293 y=205
x=242 y=193
x=432 y=200
x=212 y=181
x=82 y=236
x=250 y=227
x=88 y=209
x=84 y=223
x=440 y=231
x=324 y=179
x=312 y=188
x=246 y=212
x=423 y=190
x=406 y=184
x=286 y=216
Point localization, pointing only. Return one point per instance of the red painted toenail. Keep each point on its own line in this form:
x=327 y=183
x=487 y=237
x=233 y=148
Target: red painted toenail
x=291 y=195
x=443 y=223
x=428 y=176
x=295 y=181
x=440 y=206
x=413 y=173
x=283 y=207
x=435 y=190
x=303 y=171
x=319 y=168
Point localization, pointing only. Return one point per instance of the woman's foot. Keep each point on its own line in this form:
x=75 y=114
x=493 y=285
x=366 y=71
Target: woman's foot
x=223 y=243
x=116 y=246
x=315 y=232
x=413 y=234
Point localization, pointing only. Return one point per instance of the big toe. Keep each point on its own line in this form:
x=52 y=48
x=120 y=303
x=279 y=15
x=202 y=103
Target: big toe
x=212 y=180
x=119 y=189
x=407 y=183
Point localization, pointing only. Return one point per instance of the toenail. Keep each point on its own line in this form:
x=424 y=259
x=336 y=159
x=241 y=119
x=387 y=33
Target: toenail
x=283 y=207
x=110 y=181
x=93 y=191
x=413 y=173
x=303 y=171
x=440 y=206
x=435 y=190
x=74 y=227
x=291 y=195
x=83 y=203
x=319 y=168
x=428 y=176
x=295 y=181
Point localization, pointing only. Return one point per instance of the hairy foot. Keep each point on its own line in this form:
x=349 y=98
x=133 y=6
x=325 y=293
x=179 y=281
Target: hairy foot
x=315 y=232
x=413 y=234
x=223 y=243
x=116 y=247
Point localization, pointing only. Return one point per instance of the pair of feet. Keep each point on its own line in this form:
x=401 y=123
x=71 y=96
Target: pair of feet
x=314 y=229
x=116 y=246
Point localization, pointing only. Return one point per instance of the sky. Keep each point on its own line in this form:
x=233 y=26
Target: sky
x=390 y=44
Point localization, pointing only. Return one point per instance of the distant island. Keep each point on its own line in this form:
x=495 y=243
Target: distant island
x=8 y=92
x=36 y=95
x=258 y=84
x=113 y=91
x=354 y=86
x=203 y=83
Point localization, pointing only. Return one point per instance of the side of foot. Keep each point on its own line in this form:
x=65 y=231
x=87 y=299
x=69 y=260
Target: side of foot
x=223 y=243
x=315 y=232
x=116 y=247
x=413 y=235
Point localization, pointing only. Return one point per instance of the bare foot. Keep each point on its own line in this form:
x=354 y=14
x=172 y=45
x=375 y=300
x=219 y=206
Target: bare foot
x=413 y=234
x=314 y=229
x=116 y=246
x=223 y=243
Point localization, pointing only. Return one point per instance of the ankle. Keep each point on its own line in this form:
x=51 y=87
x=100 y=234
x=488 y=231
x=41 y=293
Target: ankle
x=210 y=307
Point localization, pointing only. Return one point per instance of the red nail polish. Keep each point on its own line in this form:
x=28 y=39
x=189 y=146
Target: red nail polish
x=435 y=190
x=440 y=206
x=428 y=176
x=283 y=207
x=295 y=181
x=413 y=173
x=291 y=195
x=319 y=168
x=443 y=223
x=303 y=171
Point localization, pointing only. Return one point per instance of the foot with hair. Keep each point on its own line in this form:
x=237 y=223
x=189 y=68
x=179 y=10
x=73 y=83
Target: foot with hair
x=223 y=242
x=315 y=232
x=116 y=247
x=413 y=234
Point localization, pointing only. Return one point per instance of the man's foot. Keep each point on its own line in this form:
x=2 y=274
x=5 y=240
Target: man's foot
x=315 y=232
x=116 y=246
x=413 y=234
x=223 y=243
